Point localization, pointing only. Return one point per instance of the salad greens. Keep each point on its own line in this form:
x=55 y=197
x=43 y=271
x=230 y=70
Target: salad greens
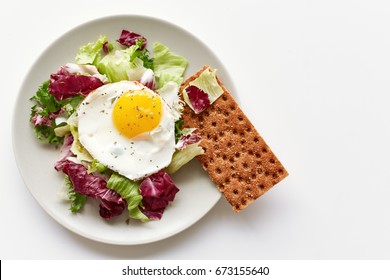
x=117 y=61
x=129 y=190
x=47 y=109
x=55 y=121
x=202 y=91
x=88 y=53
x=77 y=200
x=168 y=66
x=182 y=157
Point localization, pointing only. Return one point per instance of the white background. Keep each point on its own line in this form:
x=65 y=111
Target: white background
x=314 y=78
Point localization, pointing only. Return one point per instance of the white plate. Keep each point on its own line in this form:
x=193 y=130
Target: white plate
x=35 y=160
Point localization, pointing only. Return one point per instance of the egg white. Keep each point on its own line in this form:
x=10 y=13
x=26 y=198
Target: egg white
x=133 y=158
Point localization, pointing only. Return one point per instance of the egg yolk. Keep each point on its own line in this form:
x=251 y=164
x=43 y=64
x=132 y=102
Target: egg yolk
x=136 y=112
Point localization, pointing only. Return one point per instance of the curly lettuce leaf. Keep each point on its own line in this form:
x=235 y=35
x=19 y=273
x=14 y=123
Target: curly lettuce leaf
x=84 y=183
x=178 y=131
x=45 y=101
x=46 y=112
x=77 y=200
x=143 y=54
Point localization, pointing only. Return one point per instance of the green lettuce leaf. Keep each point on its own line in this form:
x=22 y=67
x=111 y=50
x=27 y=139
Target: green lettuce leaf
x=47 y=134
x=168 y=66
x=90 y=52
x=128 y=190
x=178 y=131
x=46 y=105
x=122 y=65
x=115 y=65
x=182 y=157
x=96 y=166
x=77 y=148
x=77 y=200
x=143 y=54
x=45 y=101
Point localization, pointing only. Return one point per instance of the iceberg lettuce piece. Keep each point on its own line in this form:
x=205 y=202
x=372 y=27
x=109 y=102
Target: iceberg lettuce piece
x=168 y=66
x=128 y=190
x=182 y=157
x=77 y=148
x=61 y=131
x=115 y=65
x=90 y=52
x=136 y=70
x=122 y=65
x=96 y=166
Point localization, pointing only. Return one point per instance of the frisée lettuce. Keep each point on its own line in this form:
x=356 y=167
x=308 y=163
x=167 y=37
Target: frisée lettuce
x=77 y=200
x=46 y=110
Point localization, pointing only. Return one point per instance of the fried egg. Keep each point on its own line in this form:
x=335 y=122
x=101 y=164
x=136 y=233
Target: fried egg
x=128 y=128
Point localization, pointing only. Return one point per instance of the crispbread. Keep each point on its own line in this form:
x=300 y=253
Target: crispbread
x=236 y=157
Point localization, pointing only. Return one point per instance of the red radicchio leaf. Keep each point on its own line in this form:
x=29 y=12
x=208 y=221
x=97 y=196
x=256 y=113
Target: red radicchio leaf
x=129 y=38
x=106 y=48
x=148 y=79
x=198 y=98
x=188 y=139
x=64 y=85
x=157 y=191
x=111 y=205
x=65 y=152
x=38 y=119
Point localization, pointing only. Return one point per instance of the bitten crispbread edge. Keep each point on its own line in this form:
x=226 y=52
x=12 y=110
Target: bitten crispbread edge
x=236 y=157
